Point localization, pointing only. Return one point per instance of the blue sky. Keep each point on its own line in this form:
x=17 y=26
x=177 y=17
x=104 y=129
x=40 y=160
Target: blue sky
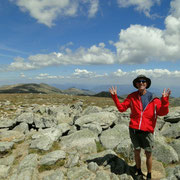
x=89 y=41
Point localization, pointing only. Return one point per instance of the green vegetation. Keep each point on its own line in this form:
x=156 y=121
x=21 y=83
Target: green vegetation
x=50 y=167
x=54 y=147
x=99 y=147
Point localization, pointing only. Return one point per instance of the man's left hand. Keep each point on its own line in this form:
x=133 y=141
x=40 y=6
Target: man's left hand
x=166 y=93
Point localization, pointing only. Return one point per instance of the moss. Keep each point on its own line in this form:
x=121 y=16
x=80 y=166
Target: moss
x=54 y=147
x=169 y=140
x=99 y=147
x=58 y=164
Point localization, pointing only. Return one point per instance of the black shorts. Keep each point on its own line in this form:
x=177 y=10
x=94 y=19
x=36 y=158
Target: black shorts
x=142 y=139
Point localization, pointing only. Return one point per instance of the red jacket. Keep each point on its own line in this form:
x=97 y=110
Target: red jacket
x=143 y=120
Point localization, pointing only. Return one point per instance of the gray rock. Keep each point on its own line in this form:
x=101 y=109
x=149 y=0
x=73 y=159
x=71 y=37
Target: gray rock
x=27 y=117
x=5 y=146
x=78 y=173
x=125 y=177
x=83 y=141
x=161 y=149
x=6 y=123
x=176 y=145
x=52 y=157
x=27 y=169
x=12 y=136
x=57 y=175
x=7 y=161
x=96 y=128
x=172 y=117
x=22 y=127
x=112 y=137
x=63 y=127
x=104 y=119
x=30 y=161
x=73 y=160
x=91 y=109
x=92 y=166
x=43 y=143
x=171 y=130
x=125 y=148
x=53 y=133
x=4 y=171
x=173 y=172
x=102 y=175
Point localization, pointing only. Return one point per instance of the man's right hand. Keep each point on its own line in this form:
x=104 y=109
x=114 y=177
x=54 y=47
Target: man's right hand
x=113 y=91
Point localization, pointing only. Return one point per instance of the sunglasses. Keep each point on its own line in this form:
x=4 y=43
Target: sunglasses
x=141 y=81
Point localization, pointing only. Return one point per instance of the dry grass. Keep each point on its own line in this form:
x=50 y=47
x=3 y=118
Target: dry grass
x=9 y=103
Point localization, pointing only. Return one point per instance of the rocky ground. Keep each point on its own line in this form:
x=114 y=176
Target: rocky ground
x=78 y=138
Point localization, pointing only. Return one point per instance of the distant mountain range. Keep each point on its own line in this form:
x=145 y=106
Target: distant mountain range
x=29 y=88
x=42 y=88
x=99 y=91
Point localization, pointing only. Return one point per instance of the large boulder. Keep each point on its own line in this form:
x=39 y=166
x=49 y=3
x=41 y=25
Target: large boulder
x=5 y=146
x=77 y=173
x=12 y=136
x=57 y=175
x=164 y=152
x=83 y=141
x=112 y=137
x=42 y=143
x=104 y=119
x=172 y=117
x=27 y=169
x=52 y=157
x=171 y=130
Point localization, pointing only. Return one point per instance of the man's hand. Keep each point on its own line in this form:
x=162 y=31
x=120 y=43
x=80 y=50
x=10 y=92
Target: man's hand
x=166 y=93
x=113 y=91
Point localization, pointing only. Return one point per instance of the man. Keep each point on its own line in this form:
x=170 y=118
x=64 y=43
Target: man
x=144 y=110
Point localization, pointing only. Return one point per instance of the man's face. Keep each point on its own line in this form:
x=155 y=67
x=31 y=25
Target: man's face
x=141 y=84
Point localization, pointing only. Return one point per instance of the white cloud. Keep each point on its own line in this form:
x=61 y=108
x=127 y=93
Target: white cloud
x=140 y=5
x=83 y=73
x=46 y=11
x=152 y=73
x=45 y=76
x=139 y=44
x=93 y=7
x=22 y=75
x=93 y=55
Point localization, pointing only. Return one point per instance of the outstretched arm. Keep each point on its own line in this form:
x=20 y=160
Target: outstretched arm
x=121 y=106
x=164 y=107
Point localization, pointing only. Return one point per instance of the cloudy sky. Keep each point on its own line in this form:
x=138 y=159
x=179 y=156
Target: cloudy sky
x=89 y=41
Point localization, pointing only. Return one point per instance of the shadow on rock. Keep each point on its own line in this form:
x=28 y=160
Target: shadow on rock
x=117 y=165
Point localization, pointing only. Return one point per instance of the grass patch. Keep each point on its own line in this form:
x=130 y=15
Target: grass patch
x=54 y=147
x=99 y=147
x=58 y=164
x=168 y=140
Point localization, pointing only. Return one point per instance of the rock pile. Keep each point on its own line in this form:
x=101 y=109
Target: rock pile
x=73 y=143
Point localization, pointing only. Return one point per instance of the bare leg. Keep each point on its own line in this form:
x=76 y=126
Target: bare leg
x=148 y=161
x=137 y=158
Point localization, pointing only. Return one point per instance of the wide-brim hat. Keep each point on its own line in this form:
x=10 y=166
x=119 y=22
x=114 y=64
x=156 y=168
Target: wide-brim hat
x=148 y=81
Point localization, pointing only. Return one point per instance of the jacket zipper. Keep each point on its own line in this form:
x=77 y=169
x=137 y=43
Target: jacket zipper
x=143 y=110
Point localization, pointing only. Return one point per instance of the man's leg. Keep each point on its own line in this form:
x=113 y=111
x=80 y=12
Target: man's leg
x=148 y=163
x=137 y=158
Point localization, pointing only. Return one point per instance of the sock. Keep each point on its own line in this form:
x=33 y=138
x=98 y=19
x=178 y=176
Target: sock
x=148 y=175
x=139 y=171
